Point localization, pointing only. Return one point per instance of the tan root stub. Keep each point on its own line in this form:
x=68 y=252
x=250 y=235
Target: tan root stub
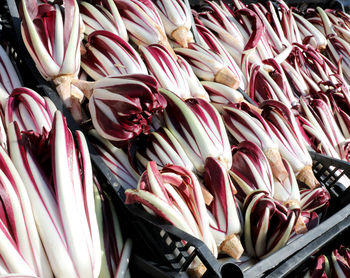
x=292 y=204
x=197 y=272
x=85 y=86
x=277 y=167
x=232 y=246
x=208 y=197
x=300 y=226
x=63 y=83
x=180 y=36
x=306 y=175
x=227 y=77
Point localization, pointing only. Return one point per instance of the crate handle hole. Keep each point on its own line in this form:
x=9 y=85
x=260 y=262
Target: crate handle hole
x=230 y=270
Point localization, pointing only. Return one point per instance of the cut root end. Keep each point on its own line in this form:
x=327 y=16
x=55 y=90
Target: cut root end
x=180 y=35
x=85 y=86
x=253 y=107
x=232 y=246
x=277 y=166
x=208 y=197
x=300 y=226
x=197 y=272
x=306 y=176
x=292 y=204
x=227 y=77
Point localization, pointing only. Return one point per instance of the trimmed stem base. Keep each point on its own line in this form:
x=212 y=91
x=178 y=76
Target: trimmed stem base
x=227 y=77
x=232 y=246
x=180 y=36
x=277 y=166
x=306 y=176
x=300 y=226
x=197 y=272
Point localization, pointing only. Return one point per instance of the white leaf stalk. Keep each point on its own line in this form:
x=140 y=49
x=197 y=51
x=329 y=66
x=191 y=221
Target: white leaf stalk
x=143 y=22
x=250 y=170
x=210 y=41
x=288 y=136
x=55 y=49
x=313 y=35
x=314 y=199
x=164 y=195
x=195 y=86
x=221 y=95
x=21 y=249
x=261 y=236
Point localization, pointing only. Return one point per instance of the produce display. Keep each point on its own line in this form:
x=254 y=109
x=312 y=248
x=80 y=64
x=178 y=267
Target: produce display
x=206 y=117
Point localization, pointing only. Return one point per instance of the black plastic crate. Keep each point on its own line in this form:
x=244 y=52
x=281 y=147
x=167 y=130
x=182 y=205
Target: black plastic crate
x=329 y=172
x=332 y=238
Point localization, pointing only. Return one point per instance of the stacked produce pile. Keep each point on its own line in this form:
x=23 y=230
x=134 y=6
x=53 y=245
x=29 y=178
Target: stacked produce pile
x=171 y=124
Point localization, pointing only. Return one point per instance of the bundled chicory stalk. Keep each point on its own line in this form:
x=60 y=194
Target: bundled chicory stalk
x=225 y=212
x=318 y=112
x=208 y=40
x=268 y=224
x=199 y=129
x=115 y=250
x=337 y=264
x=60 y=189
x=250 y=170
x=143 y=22
x=290 y=140
x=265 y=85
x=309 y=33
x=176 y=18
x=196 y=88
x=21 y=250
x=246 y=124
x=222 y=95
x=314 y=199
x=208 y=65
x=122 y=107
x=338 y=49
x=108 y=54
x=52 y=37
x=103 y=17
x=175 y=195
x=29 y=110
x=163 y=66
